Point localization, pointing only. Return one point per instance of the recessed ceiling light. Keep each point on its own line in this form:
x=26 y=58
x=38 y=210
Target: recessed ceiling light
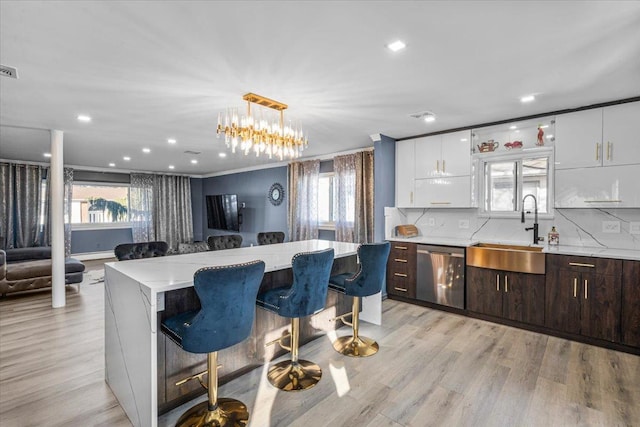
x=222 y=154
x=527 y=98
x=544 y=126
x=396 y=45
x=513 y=127
x=171 y=141
x=84 y=118
x=113 y=165
x=47 y=154
x=146 y=150
x=194 y=161
x=429 y=118
x=126 y=158
x=171 y=167
x=463 y=139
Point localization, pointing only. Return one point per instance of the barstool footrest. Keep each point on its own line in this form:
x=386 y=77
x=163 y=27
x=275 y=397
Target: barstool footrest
x=279 y=342
x=198 y=377
x=356 y=346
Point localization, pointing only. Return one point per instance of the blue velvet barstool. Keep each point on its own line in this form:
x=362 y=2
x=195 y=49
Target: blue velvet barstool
x=307 y=295
x=227 y=298
x=366 y=281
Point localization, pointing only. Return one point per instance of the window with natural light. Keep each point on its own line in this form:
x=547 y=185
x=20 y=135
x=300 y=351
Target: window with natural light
x=99 y=204
x=508 y=180
x=326 y=212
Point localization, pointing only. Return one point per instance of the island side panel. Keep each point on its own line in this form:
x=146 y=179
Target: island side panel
x=130 y=346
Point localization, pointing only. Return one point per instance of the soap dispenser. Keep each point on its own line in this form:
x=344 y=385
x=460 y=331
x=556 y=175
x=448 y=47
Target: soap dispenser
x=554 y=237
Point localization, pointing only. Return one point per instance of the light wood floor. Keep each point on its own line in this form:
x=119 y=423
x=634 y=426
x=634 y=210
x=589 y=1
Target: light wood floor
x=433 y=368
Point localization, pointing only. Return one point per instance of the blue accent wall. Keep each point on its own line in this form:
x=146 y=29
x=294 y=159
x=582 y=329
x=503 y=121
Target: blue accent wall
x=83 y=241
x=384 y=178
x=252 y=188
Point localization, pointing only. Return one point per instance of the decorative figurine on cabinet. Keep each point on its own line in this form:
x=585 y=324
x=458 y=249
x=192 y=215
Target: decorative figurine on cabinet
x=540 y=136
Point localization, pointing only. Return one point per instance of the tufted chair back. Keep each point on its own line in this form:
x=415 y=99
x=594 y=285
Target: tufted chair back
x=128 y=251
x=227 y=241
x=270 y=237
x=373 y=269
x=308 y=294
x=191 y=248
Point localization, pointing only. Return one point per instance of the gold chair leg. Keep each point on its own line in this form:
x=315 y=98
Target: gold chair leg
x=294 y=374
x=356 y=346
x=215 y=412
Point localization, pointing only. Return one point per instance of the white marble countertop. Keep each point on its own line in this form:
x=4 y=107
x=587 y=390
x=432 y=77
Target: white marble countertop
x=163 y=274
x=601 y=252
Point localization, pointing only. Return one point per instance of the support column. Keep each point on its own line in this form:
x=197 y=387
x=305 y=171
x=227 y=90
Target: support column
x=56 y=180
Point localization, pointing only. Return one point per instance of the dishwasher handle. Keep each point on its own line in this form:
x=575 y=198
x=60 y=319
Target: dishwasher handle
x=451 y=254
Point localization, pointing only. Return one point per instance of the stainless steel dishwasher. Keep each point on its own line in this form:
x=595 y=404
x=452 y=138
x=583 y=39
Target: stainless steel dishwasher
x=440 y=275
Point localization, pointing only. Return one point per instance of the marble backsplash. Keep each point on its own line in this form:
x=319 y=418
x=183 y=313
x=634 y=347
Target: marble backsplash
x=577 y=227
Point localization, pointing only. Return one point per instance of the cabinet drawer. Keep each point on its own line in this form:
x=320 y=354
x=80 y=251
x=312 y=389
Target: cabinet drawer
x=401 y=285
x=605 y=266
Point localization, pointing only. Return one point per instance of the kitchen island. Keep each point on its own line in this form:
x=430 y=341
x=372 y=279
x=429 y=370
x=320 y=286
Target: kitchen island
x=142 y=365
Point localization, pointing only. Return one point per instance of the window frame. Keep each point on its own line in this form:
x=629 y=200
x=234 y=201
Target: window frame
x=328 y=225
x=104 y=225
x=518 y=157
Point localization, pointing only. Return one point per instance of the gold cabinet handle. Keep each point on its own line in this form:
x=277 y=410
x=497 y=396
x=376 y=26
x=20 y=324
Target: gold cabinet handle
x=597 y=151
x=586 y=282
x=400 y=289
x=575 y=287
x=608 y=150
x=400 y=274
x=400 y=260
x=506 y=283
x=442 y=165
x=437 y=165
x=579 y=264
x=411 y=197
x=404 y=248
x=440 y=203
x=497 y=282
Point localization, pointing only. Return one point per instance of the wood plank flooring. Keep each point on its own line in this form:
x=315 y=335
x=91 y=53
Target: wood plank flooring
x=433 y=369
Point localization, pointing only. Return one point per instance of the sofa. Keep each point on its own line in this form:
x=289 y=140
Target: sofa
x=25 y=269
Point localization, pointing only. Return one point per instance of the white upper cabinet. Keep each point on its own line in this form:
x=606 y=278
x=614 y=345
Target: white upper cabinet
x=405 y=173
x=598 y=137
x=611 y=187
x=621 y=134
x=443 y=155
x=445 y=192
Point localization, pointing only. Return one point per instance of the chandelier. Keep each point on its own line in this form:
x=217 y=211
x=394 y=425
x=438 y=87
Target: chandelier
x=261 y=134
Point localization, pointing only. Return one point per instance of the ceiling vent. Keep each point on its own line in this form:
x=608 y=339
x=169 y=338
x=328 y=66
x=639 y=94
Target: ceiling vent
x=192 y=152
x=427 y=116
x=6 y=71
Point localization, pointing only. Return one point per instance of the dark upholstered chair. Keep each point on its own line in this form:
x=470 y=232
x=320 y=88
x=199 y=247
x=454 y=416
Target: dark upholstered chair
x=227 y=298
x=366 y=281
x=192 y=248
x=306 y=296
x=227 y=241
x=128 y=251
x=270 y=237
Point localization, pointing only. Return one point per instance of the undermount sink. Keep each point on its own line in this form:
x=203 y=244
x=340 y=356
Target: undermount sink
x=520 y=259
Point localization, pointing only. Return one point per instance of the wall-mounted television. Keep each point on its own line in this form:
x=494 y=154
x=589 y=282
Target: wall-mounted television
x=222 y=212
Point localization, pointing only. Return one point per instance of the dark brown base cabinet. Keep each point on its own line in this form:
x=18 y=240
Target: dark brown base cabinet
x=631 y=303
x=583 y=296
x=401 y=270
x=505 y=294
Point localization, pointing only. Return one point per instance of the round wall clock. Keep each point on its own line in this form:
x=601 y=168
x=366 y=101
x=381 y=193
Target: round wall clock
x=276 y=194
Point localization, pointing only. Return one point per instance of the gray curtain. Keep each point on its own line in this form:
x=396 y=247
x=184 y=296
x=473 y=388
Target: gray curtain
x=21 y=207
x=68 y=198
x=172 y=218
x=354 y=197
x=303 y=200
x=141 y=207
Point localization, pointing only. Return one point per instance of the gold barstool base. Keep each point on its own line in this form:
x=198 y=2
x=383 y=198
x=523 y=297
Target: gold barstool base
x=294 y=376
x=229 y=413
x=356 y=347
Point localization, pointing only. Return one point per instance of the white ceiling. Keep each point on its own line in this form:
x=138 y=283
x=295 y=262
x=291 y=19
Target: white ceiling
x=146 y=71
